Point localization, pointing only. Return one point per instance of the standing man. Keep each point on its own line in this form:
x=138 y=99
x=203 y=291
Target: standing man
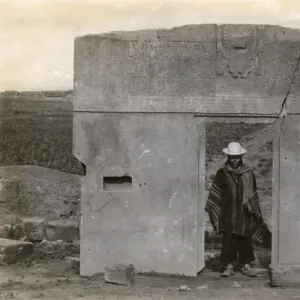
x=234 y=211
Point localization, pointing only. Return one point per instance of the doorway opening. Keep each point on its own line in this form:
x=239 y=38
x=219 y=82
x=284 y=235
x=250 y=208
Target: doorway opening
x=257 y=136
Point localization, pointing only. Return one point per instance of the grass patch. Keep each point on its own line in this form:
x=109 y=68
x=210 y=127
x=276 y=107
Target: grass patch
x=32 y=139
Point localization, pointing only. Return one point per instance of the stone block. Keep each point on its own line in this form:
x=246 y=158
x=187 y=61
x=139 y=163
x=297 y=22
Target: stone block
x=74 y=263
x=65 y=230
x=122 y=224
x=287 y=276
x=229 y=62
x=119 y=274
x=13 y=251
x=34 y=229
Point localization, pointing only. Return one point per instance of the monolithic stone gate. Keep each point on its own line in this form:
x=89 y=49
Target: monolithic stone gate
x=136 y=98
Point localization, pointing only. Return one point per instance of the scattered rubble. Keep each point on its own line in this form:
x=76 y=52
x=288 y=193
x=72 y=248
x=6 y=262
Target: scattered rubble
x=54 y=239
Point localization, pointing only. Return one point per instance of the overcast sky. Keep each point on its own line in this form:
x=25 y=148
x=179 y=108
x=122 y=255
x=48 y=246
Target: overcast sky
x=36 y=36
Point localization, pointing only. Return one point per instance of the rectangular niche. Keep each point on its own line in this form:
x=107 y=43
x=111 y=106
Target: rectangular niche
x=117 y=184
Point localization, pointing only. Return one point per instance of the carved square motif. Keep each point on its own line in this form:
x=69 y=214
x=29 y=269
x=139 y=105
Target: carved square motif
x=239 y=51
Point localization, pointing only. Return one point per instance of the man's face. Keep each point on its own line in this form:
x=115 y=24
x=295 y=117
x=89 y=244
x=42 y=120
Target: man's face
x=235 y=161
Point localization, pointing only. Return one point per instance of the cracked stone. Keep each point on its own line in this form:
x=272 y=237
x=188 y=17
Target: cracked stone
x=119 y=274
x=12 y=251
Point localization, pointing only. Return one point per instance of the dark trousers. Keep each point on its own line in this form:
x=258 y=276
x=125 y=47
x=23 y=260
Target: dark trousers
x=236 y=247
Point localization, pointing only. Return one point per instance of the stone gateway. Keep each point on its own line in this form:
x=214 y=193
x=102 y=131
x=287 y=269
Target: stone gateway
x=140 y=102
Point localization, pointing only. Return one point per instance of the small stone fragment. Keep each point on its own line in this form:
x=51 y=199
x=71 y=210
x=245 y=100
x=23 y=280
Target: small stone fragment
x=119 y=274
x=184 y=288
x=236 y=284
x=202 y=287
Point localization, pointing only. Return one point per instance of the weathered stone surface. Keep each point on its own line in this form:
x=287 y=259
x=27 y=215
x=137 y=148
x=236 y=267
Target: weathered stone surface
x=196 y=68
x=284 y=269
x=56 y=249
x=9 y=188
x=72 y=248
x=157 y=219
x=34 y=228
x=289 y=206
x=42 y=192
x=50 y=250
x=10 y=226
x=74 y=263
x=4 y=232
x=119 y=274
x=284 y=276
x=13 y=251
x=65 y=230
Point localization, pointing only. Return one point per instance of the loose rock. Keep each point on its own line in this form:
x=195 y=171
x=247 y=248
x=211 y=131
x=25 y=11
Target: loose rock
x=202 y=287
x=184 y=288
x=236 y=284
x=119 y=274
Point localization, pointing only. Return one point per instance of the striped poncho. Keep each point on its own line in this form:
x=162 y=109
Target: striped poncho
x=233 y=205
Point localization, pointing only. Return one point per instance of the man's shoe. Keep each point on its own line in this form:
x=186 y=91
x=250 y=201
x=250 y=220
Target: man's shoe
x=246 y=270
x=228 y=271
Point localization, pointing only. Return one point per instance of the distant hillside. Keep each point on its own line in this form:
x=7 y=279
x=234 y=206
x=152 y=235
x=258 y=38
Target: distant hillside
x=41 y=102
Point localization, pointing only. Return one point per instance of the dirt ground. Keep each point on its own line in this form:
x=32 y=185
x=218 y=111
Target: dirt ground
x=55 y=280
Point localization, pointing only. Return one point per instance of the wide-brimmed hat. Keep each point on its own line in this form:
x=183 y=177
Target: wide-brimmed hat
x=234 y=149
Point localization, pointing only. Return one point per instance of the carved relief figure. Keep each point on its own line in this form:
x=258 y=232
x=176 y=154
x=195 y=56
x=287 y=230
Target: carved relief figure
x=239 y=50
